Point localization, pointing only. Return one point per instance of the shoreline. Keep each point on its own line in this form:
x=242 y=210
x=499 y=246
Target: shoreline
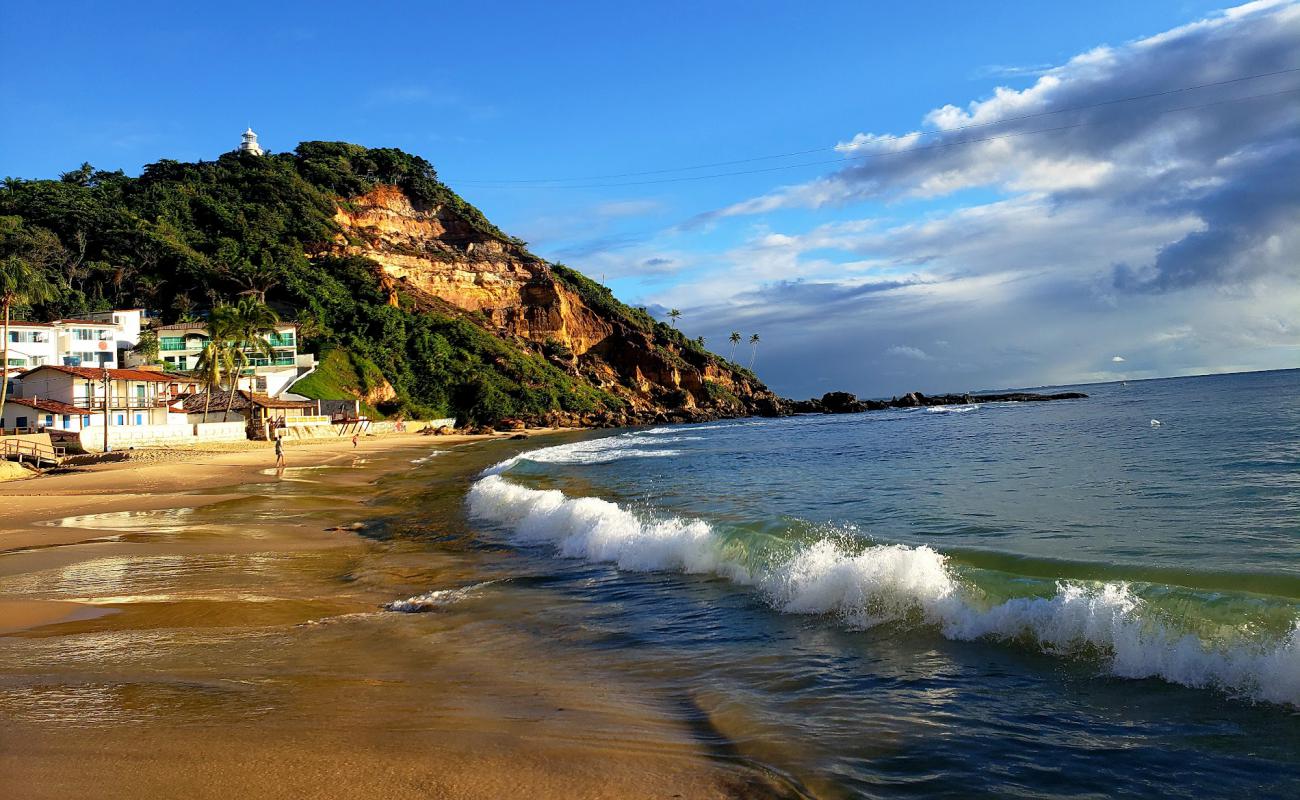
x=215 y=629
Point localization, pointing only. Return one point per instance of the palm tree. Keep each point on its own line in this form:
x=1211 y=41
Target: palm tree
x=753 y=342
x=20 y=284
x=244 y=329
x=213 y=363
x=734 y=338
x=673 y=315
x=699 y=340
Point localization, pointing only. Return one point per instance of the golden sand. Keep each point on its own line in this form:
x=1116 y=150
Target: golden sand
x=192 y=629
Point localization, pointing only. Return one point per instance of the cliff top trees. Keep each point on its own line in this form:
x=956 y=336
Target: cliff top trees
x=21 y=283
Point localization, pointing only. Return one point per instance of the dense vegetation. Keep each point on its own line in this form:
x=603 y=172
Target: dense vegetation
x=183 y=239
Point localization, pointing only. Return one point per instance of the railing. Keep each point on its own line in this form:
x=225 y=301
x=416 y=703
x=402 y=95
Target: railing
x=120 y=401
x=37 y=452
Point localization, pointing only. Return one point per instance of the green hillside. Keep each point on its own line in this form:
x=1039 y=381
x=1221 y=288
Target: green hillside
x=183 y=238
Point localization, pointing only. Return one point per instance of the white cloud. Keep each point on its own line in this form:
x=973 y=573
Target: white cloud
x=1118 y=359
x=908 y=352
x=1172 y=237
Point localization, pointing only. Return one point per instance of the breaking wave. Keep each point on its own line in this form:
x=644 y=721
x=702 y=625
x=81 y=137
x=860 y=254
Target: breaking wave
x=596 y=451
x=953 y=409
x=866 y=585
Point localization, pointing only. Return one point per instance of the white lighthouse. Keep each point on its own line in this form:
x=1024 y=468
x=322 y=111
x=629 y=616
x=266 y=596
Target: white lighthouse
x=250 y=145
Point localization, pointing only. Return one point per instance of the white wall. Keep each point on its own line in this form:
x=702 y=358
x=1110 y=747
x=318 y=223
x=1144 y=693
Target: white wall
x=220 y=431
x=126 y=436
x=34 y=353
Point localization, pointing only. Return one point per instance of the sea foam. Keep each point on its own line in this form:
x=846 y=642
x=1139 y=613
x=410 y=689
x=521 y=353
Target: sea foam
x=437 y=598
x=880 y=584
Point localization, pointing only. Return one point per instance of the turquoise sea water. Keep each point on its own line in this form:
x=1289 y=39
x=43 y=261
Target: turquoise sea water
x=1049 y=599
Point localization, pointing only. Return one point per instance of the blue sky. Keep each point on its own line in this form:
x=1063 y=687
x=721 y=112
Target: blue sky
x=1032 y=260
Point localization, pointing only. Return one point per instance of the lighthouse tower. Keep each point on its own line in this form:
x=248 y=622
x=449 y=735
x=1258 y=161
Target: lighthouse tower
x=250 y=145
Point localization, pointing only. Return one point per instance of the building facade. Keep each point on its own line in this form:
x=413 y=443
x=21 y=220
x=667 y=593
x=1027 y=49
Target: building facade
x=179 y=347
x=64 y=342
x=74 y=398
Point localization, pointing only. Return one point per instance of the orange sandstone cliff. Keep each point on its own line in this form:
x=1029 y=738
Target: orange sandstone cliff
x=434 y=256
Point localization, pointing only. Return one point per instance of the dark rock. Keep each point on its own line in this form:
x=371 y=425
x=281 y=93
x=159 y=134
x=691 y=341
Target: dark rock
x=771 y=407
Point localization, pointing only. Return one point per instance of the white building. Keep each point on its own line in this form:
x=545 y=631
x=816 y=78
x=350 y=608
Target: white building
x=249 y=144
x=73 y=398
x=179 y=347
x=66 y=342
x=129 y=322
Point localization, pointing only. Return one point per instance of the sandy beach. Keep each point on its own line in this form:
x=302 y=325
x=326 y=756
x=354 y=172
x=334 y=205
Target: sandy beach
x=189 y=624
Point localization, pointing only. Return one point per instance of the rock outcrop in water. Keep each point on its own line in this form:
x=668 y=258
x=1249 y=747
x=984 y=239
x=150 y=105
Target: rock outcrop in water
x=846 y=403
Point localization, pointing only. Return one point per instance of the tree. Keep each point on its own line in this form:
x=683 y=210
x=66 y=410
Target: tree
x=734 y=338
x=20 y=284
x=673 y=315
x=243 y=329
x=147 y=346
x=753 y=343
x=212 y=364
x=699 y=340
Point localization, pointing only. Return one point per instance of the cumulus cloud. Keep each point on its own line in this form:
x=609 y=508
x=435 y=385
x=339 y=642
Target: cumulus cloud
x=1118 y=359
x=1167 y=227
x=1206 y=153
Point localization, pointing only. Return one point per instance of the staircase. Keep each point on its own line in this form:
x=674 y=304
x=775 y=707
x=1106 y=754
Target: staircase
x=25 y=451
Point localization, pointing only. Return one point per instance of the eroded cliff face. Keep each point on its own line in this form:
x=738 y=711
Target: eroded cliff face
x=432 y=253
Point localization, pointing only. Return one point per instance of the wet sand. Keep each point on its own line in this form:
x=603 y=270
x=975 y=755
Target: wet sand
x=194 y=629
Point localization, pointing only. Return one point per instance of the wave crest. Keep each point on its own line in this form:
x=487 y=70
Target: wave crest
x=894 y=583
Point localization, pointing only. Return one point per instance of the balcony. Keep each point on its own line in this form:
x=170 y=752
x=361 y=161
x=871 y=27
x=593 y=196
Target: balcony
x=117 y=402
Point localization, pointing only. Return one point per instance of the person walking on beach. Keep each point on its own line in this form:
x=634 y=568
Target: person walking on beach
x=279 y=452
x=354 y=440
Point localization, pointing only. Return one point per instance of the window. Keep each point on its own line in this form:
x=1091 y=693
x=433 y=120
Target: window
x=86 y=358
x=67 y=421
x=21 y=422
x=171 y=343
x=83 y=334
x=17 y=362
x=105 y=358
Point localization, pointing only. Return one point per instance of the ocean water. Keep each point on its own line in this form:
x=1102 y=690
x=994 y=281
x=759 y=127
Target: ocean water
x=1080 y=598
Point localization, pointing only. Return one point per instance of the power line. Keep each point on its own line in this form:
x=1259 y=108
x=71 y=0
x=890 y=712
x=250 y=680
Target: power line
x=900 y=151
x=523 y=182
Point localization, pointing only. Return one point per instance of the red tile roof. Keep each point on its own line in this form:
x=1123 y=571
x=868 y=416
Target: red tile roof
x=97 y=373
x=53 y=406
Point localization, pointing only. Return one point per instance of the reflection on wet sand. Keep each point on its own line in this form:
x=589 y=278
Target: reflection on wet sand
x=238 y=647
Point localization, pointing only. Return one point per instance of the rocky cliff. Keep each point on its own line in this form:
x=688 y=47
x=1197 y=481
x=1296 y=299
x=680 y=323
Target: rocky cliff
x=431 y=254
